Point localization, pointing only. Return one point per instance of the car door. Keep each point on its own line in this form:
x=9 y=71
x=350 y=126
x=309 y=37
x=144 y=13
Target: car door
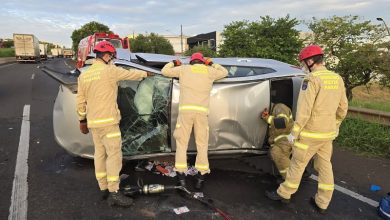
x=234 y=122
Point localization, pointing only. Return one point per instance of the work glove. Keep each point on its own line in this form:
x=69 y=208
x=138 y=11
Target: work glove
x=208 y=62
x=176 y=62
x=83 y=127
x=291 y=138
x=264 y=114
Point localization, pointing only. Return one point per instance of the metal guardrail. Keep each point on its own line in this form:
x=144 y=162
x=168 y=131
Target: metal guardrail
x=369 y=115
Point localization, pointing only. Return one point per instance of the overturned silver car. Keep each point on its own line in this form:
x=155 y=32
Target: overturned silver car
x=149 y=108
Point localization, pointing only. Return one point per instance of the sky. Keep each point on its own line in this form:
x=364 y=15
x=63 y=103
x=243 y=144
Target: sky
x=54 y=21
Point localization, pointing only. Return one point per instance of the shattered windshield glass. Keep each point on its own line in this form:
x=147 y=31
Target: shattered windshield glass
x=144 y=110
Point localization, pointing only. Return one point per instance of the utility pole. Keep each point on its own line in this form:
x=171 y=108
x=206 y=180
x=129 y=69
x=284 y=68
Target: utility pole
x=181 y=38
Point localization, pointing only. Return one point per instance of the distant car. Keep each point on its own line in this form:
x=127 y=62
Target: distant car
x=149 y=108
x=50 y=56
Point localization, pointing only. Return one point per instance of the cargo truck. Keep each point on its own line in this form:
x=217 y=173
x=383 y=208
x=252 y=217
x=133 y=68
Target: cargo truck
x=57 y=52
x=68 y=53
x=43 y=51
x=26 y=48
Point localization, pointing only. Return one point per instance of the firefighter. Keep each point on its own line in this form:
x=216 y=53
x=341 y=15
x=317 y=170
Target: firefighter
x=322 y=105
x=196 y=81
x=98 y=111
x=280 y=124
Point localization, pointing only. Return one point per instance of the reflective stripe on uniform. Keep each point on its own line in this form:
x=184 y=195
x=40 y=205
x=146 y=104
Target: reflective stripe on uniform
x=279 y=137
x=300 y=145
x=200 y=69
x=178 y=126
x=296 y=128
x=101 y=121
x=193 y=107
x=113 y=135
x=270 y=118
x=283 y=116
x=202 y=167
x=325 y=186
x=318 y=135
x=290 y=185
x=101 y=174
x=180 y=165
x=283 y=171
x=113 y=178
x=82 y=113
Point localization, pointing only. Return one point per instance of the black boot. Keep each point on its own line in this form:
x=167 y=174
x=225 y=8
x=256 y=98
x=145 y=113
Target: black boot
x=314 y=204
x=199 y=181
x=181 y=179
x=104 y=194
x=118 y=199
x=273 y=195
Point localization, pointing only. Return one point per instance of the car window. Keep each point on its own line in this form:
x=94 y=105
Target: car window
x=245 y=71
x=144 y=108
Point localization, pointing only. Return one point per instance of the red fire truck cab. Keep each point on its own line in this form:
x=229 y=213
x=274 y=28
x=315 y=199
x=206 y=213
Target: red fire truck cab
x=86 y=45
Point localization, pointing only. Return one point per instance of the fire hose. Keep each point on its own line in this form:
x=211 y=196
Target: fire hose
x=158 y=188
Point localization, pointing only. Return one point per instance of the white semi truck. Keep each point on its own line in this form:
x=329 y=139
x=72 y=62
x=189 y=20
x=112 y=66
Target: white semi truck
x=26 y=48
x=43 y=51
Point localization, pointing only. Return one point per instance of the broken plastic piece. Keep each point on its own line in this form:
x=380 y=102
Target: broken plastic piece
x=375 y=188
x=181 y=210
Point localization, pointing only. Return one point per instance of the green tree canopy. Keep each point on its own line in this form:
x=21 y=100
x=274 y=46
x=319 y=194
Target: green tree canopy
x=86 y=30
x=152 y=43
x=267 y=38
x=8 y=43
x=354 y=48
x=206 y=51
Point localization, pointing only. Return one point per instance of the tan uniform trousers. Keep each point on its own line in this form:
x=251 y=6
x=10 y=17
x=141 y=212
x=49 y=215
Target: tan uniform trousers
x=303 y=151
x=108 y=156
x=185 y=122
x=280 y=154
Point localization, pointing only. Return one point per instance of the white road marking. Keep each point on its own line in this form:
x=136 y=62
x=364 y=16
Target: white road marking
x=66 y=64
x=6 y=65
x=351 y=193
x=18 y=208
x=32 y=76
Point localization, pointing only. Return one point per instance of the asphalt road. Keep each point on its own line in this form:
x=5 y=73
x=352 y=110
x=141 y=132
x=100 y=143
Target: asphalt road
x=64 y=187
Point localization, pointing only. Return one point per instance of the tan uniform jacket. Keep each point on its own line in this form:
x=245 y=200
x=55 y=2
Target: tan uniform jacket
x=196 y=82
x=97 y=93
x=281 y=114
x=322 y=105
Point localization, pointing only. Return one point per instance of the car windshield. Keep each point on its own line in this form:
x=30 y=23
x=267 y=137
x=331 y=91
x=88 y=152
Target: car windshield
x=115 y=42
x=144 y=110
x=245 y=71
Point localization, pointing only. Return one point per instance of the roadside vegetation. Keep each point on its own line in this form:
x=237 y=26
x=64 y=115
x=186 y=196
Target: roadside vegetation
x=7 y=52
x=373 y=97
x=365 y=138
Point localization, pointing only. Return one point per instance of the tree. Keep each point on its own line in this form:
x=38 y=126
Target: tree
x=266 y=38
x=8 y=43
x=206 y=51
x=355 y=49
x=86 y=30
x=152 y=43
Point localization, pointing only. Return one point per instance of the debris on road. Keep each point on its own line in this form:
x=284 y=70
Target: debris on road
x=181 y=210
x=375 y=188
x=166 y=168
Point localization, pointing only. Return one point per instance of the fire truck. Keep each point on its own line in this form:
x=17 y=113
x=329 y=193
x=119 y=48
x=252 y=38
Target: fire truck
x=86 y=45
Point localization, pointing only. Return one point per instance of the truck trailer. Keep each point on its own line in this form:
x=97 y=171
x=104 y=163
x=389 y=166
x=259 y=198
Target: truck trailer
x=26 y=48
x=43 y=51
x=68 y=53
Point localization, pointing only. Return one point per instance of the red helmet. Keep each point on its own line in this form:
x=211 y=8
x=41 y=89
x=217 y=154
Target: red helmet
x=197 y=56
x=104 y=46
x=310 y=51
